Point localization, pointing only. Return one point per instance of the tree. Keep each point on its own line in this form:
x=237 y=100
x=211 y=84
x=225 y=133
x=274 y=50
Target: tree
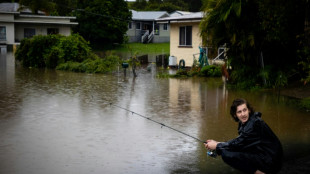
x=103 y=21
x=37 y=5
x=194 y=5
x=259 y=34
x=139 y=5
x=64 y=7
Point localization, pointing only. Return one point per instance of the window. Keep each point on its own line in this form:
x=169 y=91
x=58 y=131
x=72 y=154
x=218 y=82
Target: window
x=156 y=27
x=2 y=33
x=29 y=32
x=185 y=38
x=165 y=27
x=138 y=26
x=52 y=31
x=130 y=25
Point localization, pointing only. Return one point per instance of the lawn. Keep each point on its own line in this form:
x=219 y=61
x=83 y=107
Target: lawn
x=163 y=48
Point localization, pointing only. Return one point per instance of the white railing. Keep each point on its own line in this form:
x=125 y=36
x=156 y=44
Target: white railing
x=150 y=37
x=145 y=35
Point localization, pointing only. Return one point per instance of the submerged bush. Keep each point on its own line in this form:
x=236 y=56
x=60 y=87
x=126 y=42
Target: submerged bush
x=305 y=103
x=211 y=71
x=93 y=65
x=51 y=50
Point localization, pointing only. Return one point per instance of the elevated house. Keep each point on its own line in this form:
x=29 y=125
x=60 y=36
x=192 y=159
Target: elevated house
x=143 y=27
x=16 y=25
x=185 y=38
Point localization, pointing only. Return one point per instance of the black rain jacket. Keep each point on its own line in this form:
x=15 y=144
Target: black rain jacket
x=255 y=137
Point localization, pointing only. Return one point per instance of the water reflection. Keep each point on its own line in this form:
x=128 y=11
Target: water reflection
x=62 y=122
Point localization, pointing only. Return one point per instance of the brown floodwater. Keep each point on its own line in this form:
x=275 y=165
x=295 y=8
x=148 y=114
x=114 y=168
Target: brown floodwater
x=55 y=122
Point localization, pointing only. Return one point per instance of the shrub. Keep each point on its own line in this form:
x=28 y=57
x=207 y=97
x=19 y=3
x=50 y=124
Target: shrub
x=92 y=65
x=211 y=71
x=51 y=50
x=305 y=103
x=31 y=51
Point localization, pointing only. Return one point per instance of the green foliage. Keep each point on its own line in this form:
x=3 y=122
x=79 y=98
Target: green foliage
x=256 y=29
x=51 y=50
x=281 y=79
x=103 y=21
x=303 y=54
x=241 y=78
x=305 y=103
x=211 y=71
x=75 y=48
x=31 y=52
x=94 y=65
x=38 y=5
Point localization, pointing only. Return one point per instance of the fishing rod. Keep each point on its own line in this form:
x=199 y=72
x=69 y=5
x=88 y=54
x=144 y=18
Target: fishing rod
x=162 y=125
x=209 y=152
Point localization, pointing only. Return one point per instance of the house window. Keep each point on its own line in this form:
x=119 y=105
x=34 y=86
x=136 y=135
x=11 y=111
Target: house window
x=138 y=26
x=52 y=31
x=165 y=27
x=2 y=33
x=130 y=25
x=185 y=38
x=29 y=32
x=156 y=27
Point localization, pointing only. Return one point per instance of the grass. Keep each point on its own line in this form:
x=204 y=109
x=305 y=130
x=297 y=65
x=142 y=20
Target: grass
x=163 y=48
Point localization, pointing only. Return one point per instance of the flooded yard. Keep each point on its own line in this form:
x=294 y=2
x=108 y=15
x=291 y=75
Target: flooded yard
x=62 y=122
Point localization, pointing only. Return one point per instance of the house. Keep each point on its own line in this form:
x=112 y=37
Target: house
x=16 y=25
x=143 y=27
x=185 y=38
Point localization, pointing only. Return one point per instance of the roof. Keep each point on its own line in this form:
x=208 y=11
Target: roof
x=27 y=13
x=179 y=13
x=13 y=8
x=148 y=15
x=195 y=16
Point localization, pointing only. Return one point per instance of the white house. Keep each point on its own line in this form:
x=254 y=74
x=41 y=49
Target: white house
x=143 y=27
x=16 y=25
x=185 y=38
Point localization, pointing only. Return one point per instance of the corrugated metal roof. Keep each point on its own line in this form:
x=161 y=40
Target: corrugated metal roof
x=13 y=7
x=9 y=7
x=179 y=13
x=191 y=16
x=147 y=15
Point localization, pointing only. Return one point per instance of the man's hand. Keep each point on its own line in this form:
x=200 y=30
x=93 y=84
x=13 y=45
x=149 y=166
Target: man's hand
x=211 y=144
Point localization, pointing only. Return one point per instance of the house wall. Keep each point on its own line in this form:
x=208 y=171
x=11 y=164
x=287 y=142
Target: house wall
x=39 y=30
x=185 y=53
x=9 y=27
x=42 y=19
x=6 y=17
x=7 y=20
x=134 y=35
x=164 y=35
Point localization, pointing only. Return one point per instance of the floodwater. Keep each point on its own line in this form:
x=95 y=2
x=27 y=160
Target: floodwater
x=55 y=122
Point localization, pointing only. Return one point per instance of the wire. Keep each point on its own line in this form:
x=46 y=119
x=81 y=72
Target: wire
x=96 y=14
x=162 y=125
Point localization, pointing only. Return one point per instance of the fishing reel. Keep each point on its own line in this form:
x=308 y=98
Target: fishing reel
x=212 y=153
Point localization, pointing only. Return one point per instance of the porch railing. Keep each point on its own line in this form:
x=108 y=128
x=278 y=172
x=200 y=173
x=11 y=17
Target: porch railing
x=145 y=36
x=150 y=37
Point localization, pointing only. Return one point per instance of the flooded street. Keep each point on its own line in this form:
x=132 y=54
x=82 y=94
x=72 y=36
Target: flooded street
x=55 y=122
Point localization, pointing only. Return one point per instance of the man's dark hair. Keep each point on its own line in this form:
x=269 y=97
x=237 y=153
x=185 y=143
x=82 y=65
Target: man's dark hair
x=235 y=104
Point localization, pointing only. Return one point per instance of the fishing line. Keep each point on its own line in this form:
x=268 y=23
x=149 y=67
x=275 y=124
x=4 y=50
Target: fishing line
x=162 y=125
